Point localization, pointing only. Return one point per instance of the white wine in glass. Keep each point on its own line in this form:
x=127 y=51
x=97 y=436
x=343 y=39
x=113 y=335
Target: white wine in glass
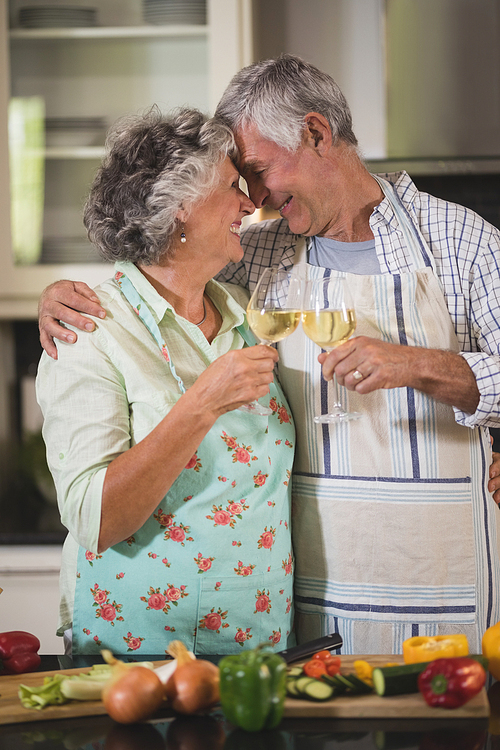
x=273 y=312
x=329 y=319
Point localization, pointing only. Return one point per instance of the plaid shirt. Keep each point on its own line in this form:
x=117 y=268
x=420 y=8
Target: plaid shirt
x=466 y=251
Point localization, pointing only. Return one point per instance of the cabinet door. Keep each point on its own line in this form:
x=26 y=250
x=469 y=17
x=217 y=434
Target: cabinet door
x=78 y=75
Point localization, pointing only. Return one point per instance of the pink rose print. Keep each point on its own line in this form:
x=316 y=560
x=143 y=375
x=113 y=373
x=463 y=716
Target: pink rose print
x=91 y=556
x=177 y=533
x=260 y=479
x=162 y=601
x=194 y=463
x=288 y=475
x=221 y=518
x=169 y=629
x=278 y=442
x=188 y=497
x=233 y=483
x=287 y=565
x=222 y=479
x=119 y=576
x=156 y=601
x=263 y=603
x=266 y=539
x=235 y=509
x=241 y=453
x=275 y=637
x=133 y=642
x=283 y=415
x=203 y=563
x=273 y=404
x=107 y=612
x=164 y=353
x=118 y=276
x=271 y=503
x=282 y=591
x=229 y=441
x=288 y=604
x=214 y=620
x=153 y=555
x=288 y=443
x=105 y=609
x=98 y=642
x=164 y=519
x=218 y=585
x=242 y=635
x=244 y=570
x=166 y=562
x=236 y=544
x=86 y=631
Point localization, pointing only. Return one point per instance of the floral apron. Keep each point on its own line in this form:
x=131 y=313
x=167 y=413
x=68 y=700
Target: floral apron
x=213 y=564
x=395 y=533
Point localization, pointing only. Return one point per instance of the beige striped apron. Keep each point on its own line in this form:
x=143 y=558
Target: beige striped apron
x=395 y=533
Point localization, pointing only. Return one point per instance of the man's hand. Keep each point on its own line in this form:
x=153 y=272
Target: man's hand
x=364 y=365
x=65 y=300
x=494 y=483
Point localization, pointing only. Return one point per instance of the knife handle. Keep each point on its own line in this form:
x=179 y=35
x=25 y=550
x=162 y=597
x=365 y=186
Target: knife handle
x=328 y=642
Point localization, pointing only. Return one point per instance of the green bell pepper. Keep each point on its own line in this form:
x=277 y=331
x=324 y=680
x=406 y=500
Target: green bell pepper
x=253 y=689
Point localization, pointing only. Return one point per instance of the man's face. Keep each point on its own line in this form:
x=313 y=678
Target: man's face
x=288 y=182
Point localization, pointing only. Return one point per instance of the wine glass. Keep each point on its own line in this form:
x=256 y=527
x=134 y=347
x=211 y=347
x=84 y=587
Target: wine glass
x=328 y=319
x=273 y=313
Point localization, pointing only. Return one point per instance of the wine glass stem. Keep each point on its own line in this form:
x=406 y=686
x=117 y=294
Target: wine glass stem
x=336 y=402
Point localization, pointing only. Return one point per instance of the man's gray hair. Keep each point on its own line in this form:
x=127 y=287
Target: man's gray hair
x=275 y=96
x=154 y=166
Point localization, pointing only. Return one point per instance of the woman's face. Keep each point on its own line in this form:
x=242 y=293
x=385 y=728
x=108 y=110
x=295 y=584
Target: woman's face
x=215 y=223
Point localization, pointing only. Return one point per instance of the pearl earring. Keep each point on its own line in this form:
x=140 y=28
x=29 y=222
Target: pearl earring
x=183 y=234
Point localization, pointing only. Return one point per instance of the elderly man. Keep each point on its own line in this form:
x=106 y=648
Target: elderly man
x=395 y=532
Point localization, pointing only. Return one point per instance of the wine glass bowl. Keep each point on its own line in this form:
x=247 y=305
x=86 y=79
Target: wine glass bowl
x=273 y=313
x=329 y=319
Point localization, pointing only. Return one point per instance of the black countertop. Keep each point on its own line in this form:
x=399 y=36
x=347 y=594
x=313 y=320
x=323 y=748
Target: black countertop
x=212 y=732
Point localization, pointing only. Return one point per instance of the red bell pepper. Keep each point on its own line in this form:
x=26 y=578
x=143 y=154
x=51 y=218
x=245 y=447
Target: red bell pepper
x=449 y=683
x=18 y=652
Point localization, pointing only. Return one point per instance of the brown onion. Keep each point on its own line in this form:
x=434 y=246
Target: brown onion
x=134 y=695
x=194 y=685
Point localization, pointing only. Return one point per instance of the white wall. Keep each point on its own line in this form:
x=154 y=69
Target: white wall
x=345 y=38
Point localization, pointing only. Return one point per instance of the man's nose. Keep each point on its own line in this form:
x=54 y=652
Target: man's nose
x=258 y=192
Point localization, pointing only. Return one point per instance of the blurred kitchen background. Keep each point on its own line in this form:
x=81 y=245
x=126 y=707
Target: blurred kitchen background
x=423 y=81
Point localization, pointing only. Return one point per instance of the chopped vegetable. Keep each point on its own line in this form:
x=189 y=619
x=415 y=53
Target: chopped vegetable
x=427 y=648
x=397 y=680
x=133 y=693
x=449 y=683
x=18 y=652
x=194 y=686
x=314 y=668
x=491 y=649
x=323 y=655
x=253 y=688
x=61 y=688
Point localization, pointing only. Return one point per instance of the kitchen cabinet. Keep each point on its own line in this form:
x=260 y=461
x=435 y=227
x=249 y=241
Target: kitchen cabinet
x=122 y=65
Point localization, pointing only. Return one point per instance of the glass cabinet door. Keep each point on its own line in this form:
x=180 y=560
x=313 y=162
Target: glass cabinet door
x=70 y=72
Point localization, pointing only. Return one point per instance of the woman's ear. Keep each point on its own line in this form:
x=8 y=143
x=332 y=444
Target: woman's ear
x=181 y=215
x=318 y=132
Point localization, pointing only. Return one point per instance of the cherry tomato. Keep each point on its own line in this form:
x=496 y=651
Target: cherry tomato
x=332 y=667
x=314 y=668
x=322 y=655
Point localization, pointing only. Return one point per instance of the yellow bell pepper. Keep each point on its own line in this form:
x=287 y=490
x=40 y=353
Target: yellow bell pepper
x=431 y=647
x=491 y=649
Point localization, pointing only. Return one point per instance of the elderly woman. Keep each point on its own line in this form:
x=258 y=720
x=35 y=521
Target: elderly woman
x=177 y=504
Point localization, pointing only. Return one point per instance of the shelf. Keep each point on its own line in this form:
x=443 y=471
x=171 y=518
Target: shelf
x=74 y=152
x=110 y=32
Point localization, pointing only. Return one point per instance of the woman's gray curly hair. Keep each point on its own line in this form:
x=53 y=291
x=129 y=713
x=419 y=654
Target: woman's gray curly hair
x=154 y=166
x=275 y=96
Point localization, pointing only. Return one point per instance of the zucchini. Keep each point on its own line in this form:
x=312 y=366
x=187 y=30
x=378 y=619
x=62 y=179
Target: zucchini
x=317 y=690
x=295 y=672
x=291 y=688
x=301 y=683
x=404 y=678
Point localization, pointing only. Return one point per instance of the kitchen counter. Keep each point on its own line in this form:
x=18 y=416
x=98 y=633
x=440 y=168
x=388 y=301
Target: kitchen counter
x=212 y=732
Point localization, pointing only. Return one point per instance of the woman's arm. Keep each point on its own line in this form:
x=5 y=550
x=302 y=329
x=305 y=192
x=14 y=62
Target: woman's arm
x=107 y=489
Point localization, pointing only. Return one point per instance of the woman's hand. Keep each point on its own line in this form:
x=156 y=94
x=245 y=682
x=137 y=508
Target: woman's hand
x=236 y=378
x=494 y=483
x=65 y=300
